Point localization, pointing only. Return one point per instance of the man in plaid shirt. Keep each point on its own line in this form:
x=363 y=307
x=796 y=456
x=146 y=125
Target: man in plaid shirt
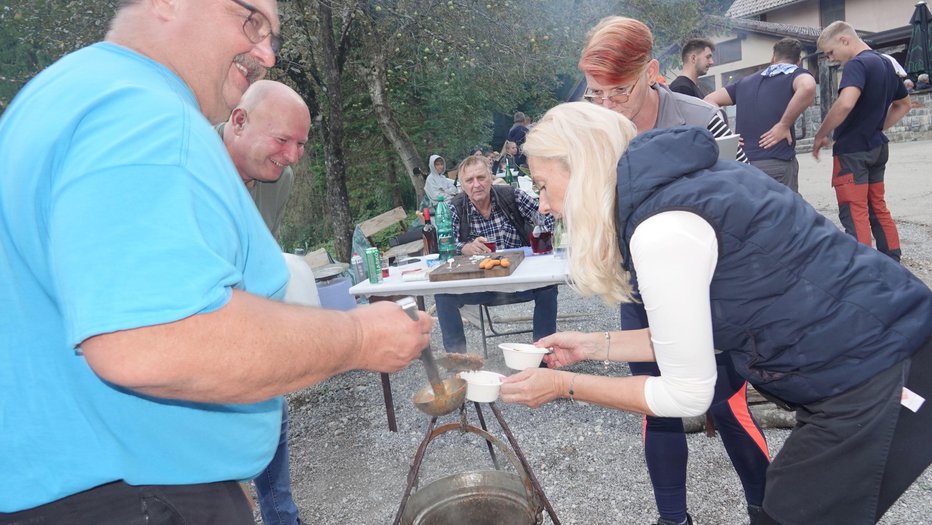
x=505 y=216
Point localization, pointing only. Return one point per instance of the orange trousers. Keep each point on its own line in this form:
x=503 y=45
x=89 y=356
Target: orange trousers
x=859 y=188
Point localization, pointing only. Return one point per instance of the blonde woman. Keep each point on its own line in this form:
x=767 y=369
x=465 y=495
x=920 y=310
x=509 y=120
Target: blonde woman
x=816 y=321
x=621 y=75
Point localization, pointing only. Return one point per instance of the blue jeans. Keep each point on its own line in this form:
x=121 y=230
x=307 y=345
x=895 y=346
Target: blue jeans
x=451 y=324
x=273 y=485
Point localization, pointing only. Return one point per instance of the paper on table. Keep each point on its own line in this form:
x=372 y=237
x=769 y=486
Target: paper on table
x=727 y=147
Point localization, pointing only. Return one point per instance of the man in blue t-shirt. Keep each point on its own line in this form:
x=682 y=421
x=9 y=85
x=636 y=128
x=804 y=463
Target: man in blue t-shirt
x=871 y=98
x=144 y=356
x=768 y=104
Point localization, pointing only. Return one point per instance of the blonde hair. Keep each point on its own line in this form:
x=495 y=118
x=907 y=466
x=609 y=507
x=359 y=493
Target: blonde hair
x=834 y=30
x=588 y=140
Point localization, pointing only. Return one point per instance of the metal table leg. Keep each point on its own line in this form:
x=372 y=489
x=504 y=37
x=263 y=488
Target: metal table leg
x=389 y=403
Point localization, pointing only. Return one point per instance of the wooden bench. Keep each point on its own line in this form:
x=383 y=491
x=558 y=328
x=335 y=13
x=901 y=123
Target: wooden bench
x=385 y=220
x=317 y=258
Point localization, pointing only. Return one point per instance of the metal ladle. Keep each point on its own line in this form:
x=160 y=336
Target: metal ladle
x=442 y=396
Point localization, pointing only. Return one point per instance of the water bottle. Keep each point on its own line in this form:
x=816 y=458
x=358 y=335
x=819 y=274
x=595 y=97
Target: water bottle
x=359 y=267
x=444 y=223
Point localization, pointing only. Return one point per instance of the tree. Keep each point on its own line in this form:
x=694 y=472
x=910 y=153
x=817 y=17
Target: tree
x=35 y=33
x=428 y=75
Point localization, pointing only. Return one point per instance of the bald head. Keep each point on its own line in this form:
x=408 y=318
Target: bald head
x=267 y=131
x=272 y=94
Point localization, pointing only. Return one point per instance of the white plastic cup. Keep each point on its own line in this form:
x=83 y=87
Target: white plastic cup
x=482 y=386
x=521 y=356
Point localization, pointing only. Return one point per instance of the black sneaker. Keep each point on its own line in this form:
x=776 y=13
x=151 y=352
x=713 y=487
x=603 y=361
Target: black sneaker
x=661 y=521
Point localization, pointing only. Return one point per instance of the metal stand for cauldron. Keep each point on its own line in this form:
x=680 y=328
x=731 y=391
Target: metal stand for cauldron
x=534 y=491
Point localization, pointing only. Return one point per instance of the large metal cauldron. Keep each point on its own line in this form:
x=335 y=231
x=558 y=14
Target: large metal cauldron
x=483 y=497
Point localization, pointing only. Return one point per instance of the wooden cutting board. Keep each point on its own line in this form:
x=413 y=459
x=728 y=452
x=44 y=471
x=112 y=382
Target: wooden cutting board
x=464 y=268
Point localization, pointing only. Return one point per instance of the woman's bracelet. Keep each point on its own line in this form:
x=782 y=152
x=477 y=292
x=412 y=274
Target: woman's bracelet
x=571 y=391
x=608 y=347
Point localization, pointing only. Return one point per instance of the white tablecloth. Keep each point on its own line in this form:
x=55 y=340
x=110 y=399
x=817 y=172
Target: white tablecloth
x=534 y=271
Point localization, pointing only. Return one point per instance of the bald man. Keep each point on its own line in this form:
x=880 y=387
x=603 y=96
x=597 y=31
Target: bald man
x=265 y=135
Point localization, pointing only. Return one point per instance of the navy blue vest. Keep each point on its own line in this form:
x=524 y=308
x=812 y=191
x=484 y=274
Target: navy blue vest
x=805 y=311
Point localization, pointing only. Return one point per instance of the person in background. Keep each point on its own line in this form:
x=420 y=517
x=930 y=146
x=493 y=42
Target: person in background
x=494 y=158
x=910 y=86
x=437 y=182
x=265 y=135
x=505 y=215
x=871 y=98
x=517 y=134
x=768 y=105
x=509 y=154
x=717 y=270
x=621 y=74
x=697 y=59
x=145 y=389
x=922 y=82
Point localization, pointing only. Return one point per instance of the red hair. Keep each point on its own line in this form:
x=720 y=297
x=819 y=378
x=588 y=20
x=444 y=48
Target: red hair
x=616 y=49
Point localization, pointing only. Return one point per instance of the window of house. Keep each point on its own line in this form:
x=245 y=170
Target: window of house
x=730 y=77
x=830 y=11
x=707 y=83
x=727 y=51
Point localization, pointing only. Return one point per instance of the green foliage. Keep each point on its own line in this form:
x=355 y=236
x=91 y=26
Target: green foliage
x=35 y=33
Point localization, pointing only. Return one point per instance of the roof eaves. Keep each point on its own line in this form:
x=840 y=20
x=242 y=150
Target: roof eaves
x=803 y=33
x=746 y=8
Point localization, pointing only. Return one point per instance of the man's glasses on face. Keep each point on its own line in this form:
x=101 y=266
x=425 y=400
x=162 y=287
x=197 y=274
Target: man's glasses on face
x=617 y=95
x=257 y=27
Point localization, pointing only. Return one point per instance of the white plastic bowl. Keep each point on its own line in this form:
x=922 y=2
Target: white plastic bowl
x=520 y=356
x=481 y=385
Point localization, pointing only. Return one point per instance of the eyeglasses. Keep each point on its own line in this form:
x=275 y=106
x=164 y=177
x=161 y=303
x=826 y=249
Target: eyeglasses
x=619 y=95
x=258 y=27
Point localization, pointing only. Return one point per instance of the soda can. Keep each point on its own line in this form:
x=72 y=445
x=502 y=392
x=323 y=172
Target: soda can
x=373 y=265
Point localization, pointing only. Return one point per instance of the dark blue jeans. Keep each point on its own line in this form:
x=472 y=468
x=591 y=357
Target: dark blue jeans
x=451 y=324
x=117 y=503
x=273 y=485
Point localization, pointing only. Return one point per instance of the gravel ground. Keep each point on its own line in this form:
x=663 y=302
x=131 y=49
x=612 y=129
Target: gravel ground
x=348 y=468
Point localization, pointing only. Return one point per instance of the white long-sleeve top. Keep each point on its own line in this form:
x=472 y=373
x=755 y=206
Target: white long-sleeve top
x=675 y=254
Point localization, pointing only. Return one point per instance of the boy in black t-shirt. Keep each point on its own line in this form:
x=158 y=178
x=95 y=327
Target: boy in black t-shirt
x=871 y=98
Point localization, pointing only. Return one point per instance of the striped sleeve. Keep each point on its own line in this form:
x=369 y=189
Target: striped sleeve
x=719 y=128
